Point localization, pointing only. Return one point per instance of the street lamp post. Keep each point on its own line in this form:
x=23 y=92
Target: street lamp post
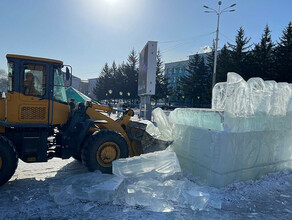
x=121 y=94
x=109 y=94
x=219 y=12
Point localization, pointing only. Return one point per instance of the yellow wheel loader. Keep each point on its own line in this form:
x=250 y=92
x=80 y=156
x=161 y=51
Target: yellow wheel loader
x=37 y=122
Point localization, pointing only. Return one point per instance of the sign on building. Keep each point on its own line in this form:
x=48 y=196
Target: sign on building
x=147 y=69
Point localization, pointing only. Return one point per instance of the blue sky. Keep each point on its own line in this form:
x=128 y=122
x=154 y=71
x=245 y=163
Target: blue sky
x=88 y=33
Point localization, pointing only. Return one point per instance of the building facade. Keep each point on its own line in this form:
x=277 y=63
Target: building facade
x=91 y=86
x=173 y=72
x=76 y=81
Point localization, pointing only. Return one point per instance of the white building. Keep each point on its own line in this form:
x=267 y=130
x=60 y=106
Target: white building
x=76 y=81
x=91 y=86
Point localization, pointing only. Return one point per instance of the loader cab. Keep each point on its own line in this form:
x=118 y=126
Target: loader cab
x=37 y=90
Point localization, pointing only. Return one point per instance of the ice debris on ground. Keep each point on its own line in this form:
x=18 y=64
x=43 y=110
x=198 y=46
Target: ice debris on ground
x=154 y=181
x=88 y=186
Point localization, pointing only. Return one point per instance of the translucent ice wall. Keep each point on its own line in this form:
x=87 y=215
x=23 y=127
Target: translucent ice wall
x=203 y=118
x=246 y=134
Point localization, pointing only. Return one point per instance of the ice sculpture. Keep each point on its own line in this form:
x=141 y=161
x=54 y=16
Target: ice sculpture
x=219 y=95
x=252 y=136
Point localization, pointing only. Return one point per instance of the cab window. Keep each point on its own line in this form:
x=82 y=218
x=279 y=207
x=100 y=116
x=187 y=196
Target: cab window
x=34 y=80
x=10 y=76
x=59 y=85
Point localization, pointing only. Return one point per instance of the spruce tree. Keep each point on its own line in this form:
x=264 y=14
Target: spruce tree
x=263 y=57
x=120 y=82
x=223 y=64
x=131 y=74
x=196 y=83
x=103 y=84
x=284 y=55
x=240 y=59
x=162 y=88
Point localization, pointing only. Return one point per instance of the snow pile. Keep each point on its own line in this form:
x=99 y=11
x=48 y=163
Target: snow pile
x=154 y=181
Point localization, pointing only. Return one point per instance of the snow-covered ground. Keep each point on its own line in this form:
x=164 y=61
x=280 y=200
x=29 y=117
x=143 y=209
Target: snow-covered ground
x=26 y=196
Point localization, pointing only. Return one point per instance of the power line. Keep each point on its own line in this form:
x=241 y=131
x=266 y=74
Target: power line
x=226 y=37
x=184 y=43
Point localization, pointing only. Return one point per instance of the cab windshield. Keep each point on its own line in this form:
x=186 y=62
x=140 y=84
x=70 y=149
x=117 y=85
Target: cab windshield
x=59 y=85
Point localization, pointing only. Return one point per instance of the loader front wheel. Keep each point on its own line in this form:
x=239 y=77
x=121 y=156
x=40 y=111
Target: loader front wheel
x=8 y=160
x=102 y=148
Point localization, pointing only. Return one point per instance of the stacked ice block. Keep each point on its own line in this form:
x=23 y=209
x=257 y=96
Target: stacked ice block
x=246 y=134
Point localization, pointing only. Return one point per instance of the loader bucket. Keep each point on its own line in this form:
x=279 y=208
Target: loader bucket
x=142 y=142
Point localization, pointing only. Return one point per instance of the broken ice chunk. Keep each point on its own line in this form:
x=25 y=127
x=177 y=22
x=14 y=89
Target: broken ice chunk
x=64 y=197
x=154 y=195
x=163 y=162
x=163 y=124
x=173 y=189
x=152 y=130
x=89 y=186
x=197 y=200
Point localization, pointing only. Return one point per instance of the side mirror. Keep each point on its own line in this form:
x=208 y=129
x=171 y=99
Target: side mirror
x=67 y=73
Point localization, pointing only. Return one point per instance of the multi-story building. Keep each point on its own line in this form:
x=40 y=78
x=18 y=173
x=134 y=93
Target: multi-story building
x=76 y=81
x=84 y=86
x=173 y=72
x=91 y=86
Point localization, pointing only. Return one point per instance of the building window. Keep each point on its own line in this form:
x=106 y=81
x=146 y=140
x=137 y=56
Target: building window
x=34 y=80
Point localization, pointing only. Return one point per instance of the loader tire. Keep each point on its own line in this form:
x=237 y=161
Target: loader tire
x=8 y=160
x=77 y=157
x=102 y=148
